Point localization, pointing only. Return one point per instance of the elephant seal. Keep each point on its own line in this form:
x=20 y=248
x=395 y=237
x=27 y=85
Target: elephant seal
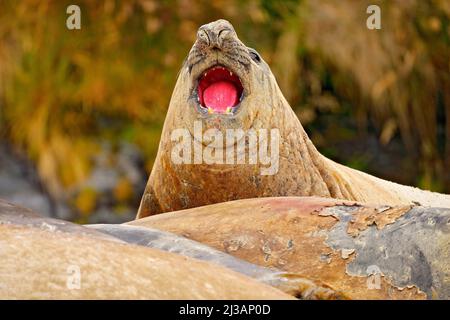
x=50 y=259
x=225 y=111
x=289 y=283
x=365 y=251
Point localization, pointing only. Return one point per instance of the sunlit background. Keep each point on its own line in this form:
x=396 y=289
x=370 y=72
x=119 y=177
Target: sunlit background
x=81 y=111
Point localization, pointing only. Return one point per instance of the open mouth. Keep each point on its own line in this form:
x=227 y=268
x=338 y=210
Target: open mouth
x=219 y=91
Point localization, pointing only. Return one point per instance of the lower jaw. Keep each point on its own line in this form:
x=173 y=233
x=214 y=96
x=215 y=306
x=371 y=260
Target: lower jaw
x=230 y=111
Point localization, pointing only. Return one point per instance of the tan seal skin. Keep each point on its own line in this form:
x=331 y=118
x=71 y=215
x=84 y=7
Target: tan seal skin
x=288 y=233
x=35 y=264
x=303 y=171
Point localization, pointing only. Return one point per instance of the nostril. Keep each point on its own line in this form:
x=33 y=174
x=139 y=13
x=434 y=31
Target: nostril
x=222 y=35
x=202 y=36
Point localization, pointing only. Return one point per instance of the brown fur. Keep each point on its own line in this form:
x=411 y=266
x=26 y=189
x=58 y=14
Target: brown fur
x=303 y=171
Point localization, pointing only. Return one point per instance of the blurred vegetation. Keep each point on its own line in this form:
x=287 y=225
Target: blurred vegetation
x=62 y=92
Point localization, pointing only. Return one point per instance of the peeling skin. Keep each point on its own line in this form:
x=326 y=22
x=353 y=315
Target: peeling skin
x=306 y=239
x=411 y=251
x=20 y=222
x=418 y=252
x=345 y=253
x=379 y=216
x=290 y=283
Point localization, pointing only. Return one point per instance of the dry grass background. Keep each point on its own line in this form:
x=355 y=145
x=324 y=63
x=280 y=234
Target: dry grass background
x=62 y=92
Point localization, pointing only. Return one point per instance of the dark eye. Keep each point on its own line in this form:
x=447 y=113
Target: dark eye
x=254 y=55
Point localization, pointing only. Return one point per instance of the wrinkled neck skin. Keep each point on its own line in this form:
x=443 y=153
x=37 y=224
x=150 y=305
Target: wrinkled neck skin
x=301 y=169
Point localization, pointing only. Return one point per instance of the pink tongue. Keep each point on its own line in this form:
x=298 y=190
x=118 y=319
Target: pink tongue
x=220 y=95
